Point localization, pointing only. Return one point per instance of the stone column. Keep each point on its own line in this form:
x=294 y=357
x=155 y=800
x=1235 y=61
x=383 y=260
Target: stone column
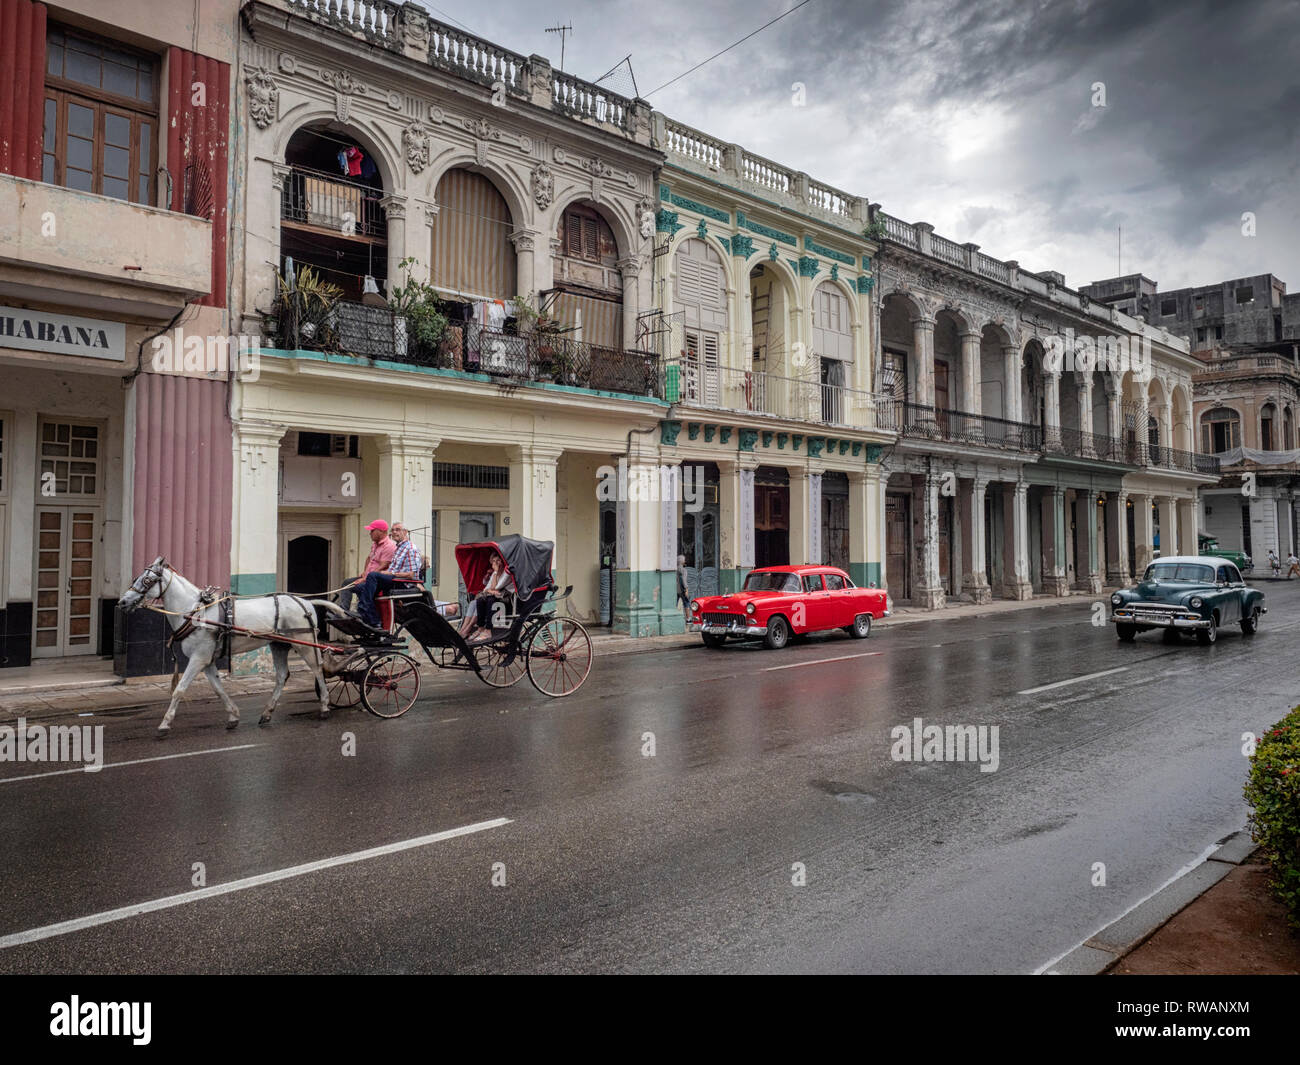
x=974 y=579
x=1055 y=581
x=920 y=370
x=1189 y=525
x=631 y=270
x=1117 y=538
x=800 y=528
x=256 y=545
x=929 y=592
x=1011 y=398
x=1144 y=532
x=525 y=242
x=532 y=490
x=406 y=483
x=866 y=551
x=639 y=588
x=1015 y=546
x=1052 y=408
x=971 y=400
x=395 y=212
x=815 y=518
x=732 y=537
x=1168 y=525
x=1084 y=393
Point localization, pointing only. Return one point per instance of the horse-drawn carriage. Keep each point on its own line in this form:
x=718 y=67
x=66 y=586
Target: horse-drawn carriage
x=374 y=667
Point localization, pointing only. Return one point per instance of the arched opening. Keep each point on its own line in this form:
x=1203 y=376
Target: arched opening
x=307 y=565
x=767 y=386
x=832 y=345
x=587 y=298
x=700 y=297
x=896 y=340
x=1288 y=429
x=996 y=400
x=1220 y=430
x=1268 y=427
x=330 y=213
x=1032 y=393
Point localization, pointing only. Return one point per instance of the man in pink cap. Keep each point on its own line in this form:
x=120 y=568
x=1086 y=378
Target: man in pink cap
x=381 y=554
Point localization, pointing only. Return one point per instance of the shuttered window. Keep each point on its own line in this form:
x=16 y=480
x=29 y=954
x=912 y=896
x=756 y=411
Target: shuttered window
x=831 y=335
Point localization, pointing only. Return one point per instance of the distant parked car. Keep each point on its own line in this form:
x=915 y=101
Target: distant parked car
x=778 y=602
x=1184 y=593
x=1208 y=545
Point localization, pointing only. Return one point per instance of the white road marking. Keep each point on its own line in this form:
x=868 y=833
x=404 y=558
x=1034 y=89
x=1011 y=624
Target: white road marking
x=1199 y=860
x=819 y=661
x=108 y=916
x=1072 y=680
x=133 y=761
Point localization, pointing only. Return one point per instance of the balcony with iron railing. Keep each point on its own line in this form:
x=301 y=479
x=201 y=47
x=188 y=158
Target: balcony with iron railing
x=313 y=199
x=691 y=383
x=962 y=427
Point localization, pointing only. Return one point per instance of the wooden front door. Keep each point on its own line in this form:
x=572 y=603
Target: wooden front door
x=66 y=620
x=897 y=523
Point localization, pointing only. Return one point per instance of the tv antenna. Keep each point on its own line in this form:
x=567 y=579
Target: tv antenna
x=564 y=32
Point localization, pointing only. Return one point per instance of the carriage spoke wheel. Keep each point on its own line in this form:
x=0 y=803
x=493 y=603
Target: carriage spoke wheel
x=391 y=684
x=559 y=656
x=492 y=668
x=344 y=688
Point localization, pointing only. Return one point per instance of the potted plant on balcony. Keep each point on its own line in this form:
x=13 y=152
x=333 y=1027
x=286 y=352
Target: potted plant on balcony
x=543 y=330
x=417 y=302
x=302 y=312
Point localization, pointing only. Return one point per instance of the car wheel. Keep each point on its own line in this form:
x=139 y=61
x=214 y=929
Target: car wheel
x=1127 y=633
x=1208 y=636
x=1250 y=625
x=712 y=639
x=861 y=627
x=778 y=634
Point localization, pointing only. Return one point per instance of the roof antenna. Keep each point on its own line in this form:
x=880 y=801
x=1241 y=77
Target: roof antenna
x=564 y=32
x=1119 y=253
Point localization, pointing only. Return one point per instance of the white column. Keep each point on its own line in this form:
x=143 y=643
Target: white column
x=974 y=579
x=669 y=479
x=800 y=531
x=815 y=518
x=1011 y=399
x=631 y=270
x=745 y=557
x=1015 y=557
x=525 y=242
x=1052 y=406
x=406 y=481
x=532 y=490
x=920 y=371
x=256 y=518
x=929 y=594
x=971 y=400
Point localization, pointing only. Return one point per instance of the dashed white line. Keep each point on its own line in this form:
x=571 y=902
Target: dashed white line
x=49 y=931
x=819 y=661
x=133 y=761
x=1072 y=680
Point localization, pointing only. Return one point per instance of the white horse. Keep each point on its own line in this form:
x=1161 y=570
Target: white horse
x=278 y=614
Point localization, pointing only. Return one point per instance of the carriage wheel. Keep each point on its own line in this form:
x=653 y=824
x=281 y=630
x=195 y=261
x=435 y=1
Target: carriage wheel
x=344 y=687
x=492 y=666
x=391 y=684
x=559 y=656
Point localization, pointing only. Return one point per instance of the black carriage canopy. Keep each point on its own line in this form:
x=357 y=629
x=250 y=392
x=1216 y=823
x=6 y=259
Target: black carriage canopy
x=527 y=561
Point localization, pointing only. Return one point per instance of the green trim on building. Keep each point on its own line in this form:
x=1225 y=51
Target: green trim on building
x=252 y=583
x=742 y=246
x=808 y=266
x=742 y=222
x=666 y=222
x=865 y=574
x=863 y=285
x=830 y=253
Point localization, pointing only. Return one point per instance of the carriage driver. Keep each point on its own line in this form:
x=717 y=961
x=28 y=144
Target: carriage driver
x=381 y=554
x=404 y=567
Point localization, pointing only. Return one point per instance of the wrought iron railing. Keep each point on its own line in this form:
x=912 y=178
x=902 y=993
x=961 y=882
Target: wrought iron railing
x=963 y=427
x=325 y=201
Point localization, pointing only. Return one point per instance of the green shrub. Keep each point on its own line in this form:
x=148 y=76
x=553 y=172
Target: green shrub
x=418 y=302
x=1273 y=791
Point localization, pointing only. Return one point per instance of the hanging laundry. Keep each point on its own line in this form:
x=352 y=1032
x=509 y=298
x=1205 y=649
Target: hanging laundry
x=368 y=168
x=354 y=157
x=343 y=161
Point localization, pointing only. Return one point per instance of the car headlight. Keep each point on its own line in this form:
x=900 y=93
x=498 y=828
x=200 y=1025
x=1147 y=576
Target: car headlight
x=695 y=606
x=749 y=608
x=1196 y=602
x=1116 y=599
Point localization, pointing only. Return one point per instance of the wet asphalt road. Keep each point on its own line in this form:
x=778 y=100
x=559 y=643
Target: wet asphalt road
x=681 y=862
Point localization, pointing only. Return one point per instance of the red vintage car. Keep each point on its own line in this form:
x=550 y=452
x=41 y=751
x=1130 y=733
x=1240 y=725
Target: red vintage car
x=778 y=602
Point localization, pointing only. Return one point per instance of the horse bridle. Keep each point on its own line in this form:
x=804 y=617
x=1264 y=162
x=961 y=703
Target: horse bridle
x=150 y=577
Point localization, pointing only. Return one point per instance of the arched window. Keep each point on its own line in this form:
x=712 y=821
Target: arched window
x=1220 y=430
x=587 y=275
x=1267 y=429
x=472 y=254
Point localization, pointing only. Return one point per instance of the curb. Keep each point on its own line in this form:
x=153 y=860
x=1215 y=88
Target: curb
x=1105 y=949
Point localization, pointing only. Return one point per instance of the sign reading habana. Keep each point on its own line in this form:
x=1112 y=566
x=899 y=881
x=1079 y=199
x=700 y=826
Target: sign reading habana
x=62 y=334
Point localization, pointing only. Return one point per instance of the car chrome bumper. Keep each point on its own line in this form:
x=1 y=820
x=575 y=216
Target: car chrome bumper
x=730 y=630
x=1163 y=620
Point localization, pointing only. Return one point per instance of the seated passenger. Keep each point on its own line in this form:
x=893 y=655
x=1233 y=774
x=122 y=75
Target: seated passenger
x=381 y=554
x=478 y=624
x=404 y=569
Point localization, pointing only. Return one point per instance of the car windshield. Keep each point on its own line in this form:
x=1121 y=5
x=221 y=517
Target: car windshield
x=1179 y=571
x=771 y=582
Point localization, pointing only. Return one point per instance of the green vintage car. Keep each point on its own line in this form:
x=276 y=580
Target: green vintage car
x=1208 y=545
x=1187 y=593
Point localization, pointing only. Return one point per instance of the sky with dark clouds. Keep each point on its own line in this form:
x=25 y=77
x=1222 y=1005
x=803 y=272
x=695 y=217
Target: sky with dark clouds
x=978 y=117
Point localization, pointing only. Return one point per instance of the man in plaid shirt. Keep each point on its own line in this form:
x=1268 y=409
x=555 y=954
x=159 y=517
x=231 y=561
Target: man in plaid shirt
x=404 y=567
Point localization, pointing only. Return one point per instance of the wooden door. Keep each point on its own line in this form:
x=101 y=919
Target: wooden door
x=897 y=570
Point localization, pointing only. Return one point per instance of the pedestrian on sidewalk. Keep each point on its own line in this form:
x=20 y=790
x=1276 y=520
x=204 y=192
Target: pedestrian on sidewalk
x=683 y=588
x=382 y=549
x=1294 y=566
x=1274 y=564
